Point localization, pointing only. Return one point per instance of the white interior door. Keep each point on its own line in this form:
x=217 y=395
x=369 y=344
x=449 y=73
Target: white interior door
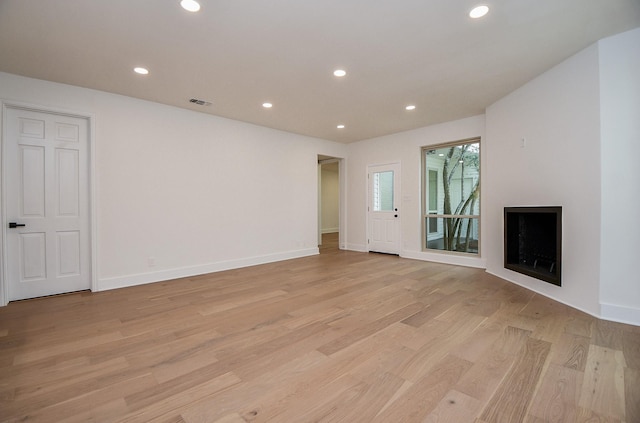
x=383 y=209
x=46 y=178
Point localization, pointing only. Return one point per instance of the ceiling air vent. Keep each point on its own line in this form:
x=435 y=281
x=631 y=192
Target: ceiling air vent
x=199 y=102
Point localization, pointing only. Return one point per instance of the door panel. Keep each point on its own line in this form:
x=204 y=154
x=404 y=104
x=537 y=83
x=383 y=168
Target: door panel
x=33 y=256
x=67 y=184
x=68 y=253
x=383 y=209
x=32 y=194
x=383 y=231
x=47 y=178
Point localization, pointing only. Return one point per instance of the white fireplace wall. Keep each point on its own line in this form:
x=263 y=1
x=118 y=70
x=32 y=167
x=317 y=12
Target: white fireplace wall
x=542 y=148
x=571 y=138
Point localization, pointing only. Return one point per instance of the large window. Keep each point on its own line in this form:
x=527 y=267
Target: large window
x=451 y=197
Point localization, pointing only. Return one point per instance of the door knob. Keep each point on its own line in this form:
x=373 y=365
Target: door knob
x=15 y=225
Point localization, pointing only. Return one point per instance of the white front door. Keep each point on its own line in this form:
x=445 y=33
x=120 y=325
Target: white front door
x=383 y=208
x=46 y=174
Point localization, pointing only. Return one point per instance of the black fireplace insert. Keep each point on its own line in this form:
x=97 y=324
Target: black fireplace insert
x=533 y=242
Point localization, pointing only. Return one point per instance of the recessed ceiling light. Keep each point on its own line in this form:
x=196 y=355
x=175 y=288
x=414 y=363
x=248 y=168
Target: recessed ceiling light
x=267 y=105
x=339 y=72
x=479 y=11
x=190 y=5
x=340 y=126
x=410 y=107
x=141 y=71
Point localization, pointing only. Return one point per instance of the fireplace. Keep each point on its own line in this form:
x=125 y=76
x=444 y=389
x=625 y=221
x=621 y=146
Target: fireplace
x=533 y=242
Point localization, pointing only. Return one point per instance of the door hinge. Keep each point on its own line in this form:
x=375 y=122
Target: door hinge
x=368 y=241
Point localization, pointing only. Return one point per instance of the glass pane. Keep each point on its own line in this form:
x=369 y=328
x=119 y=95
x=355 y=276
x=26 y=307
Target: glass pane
x=458 y=190
x=432 y=184
x=432 y=224
x=433 y=190
x=456 y=234
x=383 y=191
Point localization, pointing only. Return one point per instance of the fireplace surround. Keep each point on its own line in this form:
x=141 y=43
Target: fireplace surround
x=533 y=242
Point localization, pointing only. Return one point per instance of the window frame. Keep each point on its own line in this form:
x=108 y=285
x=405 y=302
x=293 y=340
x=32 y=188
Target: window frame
x=424 y=194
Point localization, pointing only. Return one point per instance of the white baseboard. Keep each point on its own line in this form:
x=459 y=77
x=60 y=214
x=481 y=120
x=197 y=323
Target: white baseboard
x=455 y=259
x=106 y=284
x=361 y=248
x=330 y=230
x=621 y=314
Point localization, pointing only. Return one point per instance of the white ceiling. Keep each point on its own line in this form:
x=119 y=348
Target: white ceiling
x=240 y=53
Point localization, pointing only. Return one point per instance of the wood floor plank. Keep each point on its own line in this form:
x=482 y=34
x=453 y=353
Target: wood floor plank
x=439 y=306
x=427 y=333
x=369 y=329
x=556 y=397
x=168 y=408
x=580 y=325
x=571 y=351
x=551 y=328
x=231 y=418
x=359 y=402
x=603 y=387
x=454 y=407
x=69 y=373
x=72 y=394
x=75 y=408
x=476 y=345
x=423 y=396
x=482 y=380
x=589 y=416
x=540 y=306
x=386 y=353
x=431 y=353
x=631 y=349
x=338 y=337
x=35 y=354
x=608 y=335
x=511 y=400
x=632 y=394
x=327 y=401
x=381 y=387
x=269 y=393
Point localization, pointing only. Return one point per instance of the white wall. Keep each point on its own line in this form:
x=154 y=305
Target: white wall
x=558 y=115
x=405 y=148
x=196 y=192
x=329 y=206
x=620 y=167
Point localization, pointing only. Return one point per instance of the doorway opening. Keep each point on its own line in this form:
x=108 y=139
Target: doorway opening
x=330 y=183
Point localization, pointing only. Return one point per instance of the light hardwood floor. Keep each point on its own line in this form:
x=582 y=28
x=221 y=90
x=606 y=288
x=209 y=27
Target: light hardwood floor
x=339 y=337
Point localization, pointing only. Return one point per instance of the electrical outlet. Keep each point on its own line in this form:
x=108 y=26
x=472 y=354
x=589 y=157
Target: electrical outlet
x=151 y=261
